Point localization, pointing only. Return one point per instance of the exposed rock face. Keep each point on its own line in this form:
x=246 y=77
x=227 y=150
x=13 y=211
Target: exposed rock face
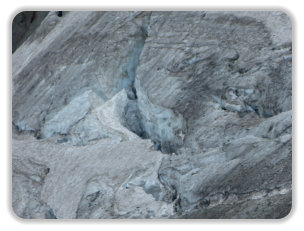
x=24 y=23
x=154 y=115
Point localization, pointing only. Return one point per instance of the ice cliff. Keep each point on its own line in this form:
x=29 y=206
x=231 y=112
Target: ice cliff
x=153 y=115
